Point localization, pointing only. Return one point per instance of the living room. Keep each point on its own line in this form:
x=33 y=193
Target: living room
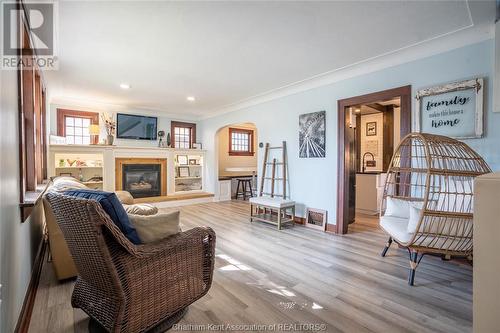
x=202 y=166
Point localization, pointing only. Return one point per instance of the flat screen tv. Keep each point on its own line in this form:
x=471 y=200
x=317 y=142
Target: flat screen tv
x=129 y=126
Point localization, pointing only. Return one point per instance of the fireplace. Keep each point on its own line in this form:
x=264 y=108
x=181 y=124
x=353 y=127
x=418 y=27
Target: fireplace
x=142 y=180
x=142 y=177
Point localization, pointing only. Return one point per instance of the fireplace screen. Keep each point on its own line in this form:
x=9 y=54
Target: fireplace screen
x=142 y=180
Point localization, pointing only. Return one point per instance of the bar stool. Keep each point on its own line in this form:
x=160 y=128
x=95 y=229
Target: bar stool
x=246 y=188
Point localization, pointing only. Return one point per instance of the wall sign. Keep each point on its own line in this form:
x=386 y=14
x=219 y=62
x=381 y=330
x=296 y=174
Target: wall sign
x=454 y=110
x=371 y=128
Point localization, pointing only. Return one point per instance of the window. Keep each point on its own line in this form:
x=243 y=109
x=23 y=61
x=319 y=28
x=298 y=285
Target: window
x=183 y=134
x=74 y=125
x=182 y=137
x=77 y=130
x=240 y=142
x=32 y=126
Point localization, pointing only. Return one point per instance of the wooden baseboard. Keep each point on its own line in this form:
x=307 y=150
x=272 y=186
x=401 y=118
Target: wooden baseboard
x=300 y=220
x=331 y=228
x=23 y=321
x=174 y=197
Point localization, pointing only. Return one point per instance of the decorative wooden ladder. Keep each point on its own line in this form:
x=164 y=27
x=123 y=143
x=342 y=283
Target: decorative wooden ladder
x=276 y=209
x=273 y=179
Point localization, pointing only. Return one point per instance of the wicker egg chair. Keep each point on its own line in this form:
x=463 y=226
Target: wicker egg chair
x=433 y=176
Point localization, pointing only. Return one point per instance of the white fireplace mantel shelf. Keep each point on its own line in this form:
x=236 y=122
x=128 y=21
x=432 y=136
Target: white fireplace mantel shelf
x=72 y=148
x=109 y=154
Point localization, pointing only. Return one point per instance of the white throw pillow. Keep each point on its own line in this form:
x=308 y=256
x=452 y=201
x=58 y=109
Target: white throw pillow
x=125 y=197
x=141 y=209
x=61 y=184
x=415 y=212
x=152 y=228
x=397 y=207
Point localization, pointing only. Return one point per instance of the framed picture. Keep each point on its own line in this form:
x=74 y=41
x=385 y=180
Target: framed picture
x=312 y=134
x=65 y=174
x=183 y=172
x=454 y=109
x=182 y=159
x=371 y=128
x=193 y=161
x=316 y=218
x=197 y=145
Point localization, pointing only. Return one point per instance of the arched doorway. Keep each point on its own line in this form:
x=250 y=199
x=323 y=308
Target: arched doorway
x=235 y=157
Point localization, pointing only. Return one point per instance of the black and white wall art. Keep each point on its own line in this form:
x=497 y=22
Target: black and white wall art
x=312 y=135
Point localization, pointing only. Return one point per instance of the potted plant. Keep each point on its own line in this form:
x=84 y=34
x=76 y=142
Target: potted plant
x=110 y=126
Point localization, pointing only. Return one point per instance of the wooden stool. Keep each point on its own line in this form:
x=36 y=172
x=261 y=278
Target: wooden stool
x=244 y=182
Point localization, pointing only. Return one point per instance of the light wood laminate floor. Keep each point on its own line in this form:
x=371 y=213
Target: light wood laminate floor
x=299 y=275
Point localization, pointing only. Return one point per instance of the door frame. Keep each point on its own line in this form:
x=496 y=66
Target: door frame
x=345 y=186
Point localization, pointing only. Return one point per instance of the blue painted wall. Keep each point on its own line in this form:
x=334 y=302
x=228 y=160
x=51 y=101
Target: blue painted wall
x=313 y=181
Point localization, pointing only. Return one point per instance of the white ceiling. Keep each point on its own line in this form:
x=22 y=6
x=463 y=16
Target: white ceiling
x=226 y=52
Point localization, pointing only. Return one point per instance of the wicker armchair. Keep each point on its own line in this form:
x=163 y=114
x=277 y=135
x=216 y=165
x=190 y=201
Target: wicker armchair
x=436 y=174
x=132 y=288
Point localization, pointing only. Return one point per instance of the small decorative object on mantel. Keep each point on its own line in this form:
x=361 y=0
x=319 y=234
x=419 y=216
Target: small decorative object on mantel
x=312 y=134
x=110 y=126
x=94 y=131
x=454 y=110
x=197 y=145
x=161 y=134
x=371 y=128
x=169 y=142
x=316 y=218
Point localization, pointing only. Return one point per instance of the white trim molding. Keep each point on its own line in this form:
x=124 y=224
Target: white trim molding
x=496 y=91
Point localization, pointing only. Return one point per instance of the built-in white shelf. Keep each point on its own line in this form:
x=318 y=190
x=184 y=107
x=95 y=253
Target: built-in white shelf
x=194 y=163
x=104 y=155
x=79 y=167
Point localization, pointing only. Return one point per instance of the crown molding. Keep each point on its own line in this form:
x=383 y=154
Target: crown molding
x=436 y=45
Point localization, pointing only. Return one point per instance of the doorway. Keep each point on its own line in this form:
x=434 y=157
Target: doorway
x=350 y=161
x=236 y=160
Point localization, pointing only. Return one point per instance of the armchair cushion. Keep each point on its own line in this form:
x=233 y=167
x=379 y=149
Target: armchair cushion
x=396 y=227
x=125 y=197
x=414 y=218
x=112 y=206
x=152 y=228
x=141 y=209
x=397 y=208
x=64 y=183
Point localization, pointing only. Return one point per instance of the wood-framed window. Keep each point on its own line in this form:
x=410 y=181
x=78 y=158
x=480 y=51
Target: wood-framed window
x=241 y=142
x=74 y=125
x=32 y=126
x=183 y=135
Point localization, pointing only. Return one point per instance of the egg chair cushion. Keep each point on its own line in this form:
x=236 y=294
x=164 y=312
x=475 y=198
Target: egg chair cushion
x=414 y=218
x=397 y=208
x=396 y=227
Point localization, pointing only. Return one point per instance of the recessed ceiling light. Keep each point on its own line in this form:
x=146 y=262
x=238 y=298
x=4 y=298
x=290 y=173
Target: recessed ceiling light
x=124 y=85
x=191 y=98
